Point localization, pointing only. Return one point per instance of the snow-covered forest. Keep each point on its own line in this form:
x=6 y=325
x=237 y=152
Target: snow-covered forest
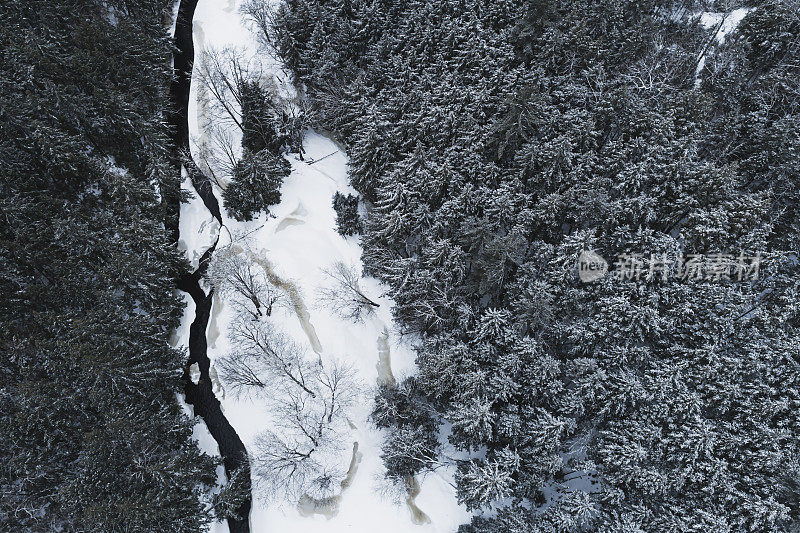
x=503 y=266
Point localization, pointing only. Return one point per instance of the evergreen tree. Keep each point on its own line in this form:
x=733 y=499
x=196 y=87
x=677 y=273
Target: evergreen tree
x=257 y=180
x=258 y=174
x=93 y=437
x=497 y=141
x=348 y=221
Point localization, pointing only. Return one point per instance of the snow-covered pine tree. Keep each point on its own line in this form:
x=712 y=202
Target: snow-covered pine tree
x=499 y=140
x=93 y=437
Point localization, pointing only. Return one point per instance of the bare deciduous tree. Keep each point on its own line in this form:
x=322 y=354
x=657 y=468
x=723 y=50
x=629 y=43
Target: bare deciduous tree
x=222 y=153
x=306 y=454
x=344 y=295
x=262 y=16
x=228 y=81
x=246 y=284
x=222 y=74
x=261 y=356
x=291 y=466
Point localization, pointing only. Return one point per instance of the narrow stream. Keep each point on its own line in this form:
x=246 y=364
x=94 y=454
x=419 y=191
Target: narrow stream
x=199 y=394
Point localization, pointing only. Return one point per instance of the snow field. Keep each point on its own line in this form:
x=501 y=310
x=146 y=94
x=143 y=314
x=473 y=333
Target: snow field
x=298 y=241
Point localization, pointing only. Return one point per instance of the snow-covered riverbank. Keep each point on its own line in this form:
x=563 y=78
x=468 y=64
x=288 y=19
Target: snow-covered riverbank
x=297 y=243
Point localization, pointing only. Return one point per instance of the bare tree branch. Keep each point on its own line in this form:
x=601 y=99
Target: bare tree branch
x=305 y=453
x=344 y=295
x=239 y=279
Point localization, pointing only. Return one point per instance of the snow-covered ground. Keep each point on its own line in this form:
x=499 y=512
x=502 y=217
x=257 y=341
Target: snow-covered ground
x=297 y=242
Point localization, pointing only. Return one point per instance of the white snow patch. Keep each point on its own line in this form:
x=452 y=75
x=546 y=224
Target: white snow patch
x=701 y=64
x=173 y=22
x=197 y=226
x=299 y=240
x=180 y=336
x=194 y=373
x=710 y=21
x=723 y=24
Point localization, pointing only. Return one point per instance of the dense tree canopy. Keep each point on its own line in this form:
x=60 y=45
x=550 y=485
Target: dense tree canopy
x=496 y=141
x=92 y=435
